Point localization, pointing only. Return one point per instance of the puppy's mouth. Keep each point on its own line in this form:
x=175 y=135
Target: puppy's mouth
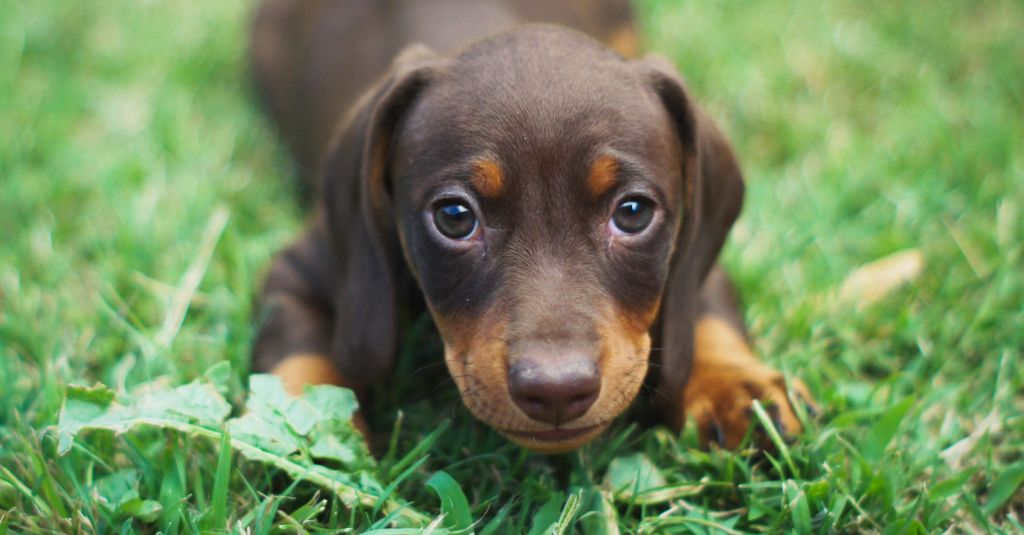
x=555 y=440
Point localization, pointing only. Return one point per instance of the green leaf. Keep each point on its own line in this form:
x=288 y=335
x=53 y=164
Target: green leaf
x=145 y=510
x=453 y=501
x=265 y=434
x=99 y=408
x=331 y=402
x=1004 y=487
x=82 y=406
x=118 y=487
x=219 y=376
x=329 y=447
x=97 y=394
x=631 y=475
x=197 y=402
x=881 y=434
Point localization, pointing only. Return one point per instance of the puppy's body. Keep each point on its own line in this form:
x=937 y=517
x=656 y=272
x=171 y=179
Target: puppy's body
x=313 y=59
x=552 y=205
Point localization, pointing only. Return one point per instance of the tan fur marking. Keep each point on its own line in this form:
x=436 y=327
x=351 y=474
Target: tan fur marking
x=488 y=178
x=625 y=41
x=297 y=371
x=603 y=174
x=717 y=341
x=726 y=378
x=476 y=354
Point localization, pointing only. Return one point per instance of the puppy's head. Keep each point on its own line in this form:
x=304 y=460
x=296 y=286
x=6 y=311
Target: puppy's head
x=537 y=188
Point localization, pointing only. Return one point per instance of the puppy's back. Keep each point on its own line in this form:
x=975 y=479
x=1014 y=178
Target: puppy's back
x=312 y=59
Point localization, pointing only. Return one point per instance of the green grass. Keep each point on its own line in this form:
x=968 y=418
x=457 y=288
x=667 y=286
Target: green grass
x=128 y=128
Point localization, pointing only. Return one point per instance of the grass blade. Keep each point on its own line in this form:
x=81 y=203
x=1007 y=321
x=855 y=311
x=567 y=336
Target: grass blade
x=1004 y=487
x=453 y=501
x=219 y=497
x=882 y=433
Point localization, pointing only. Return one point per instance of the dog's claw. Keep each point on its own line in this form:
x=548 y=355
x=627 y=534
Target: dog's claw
x=809 y=406
x=801 y=396
x=773 y=412
x=716 y=432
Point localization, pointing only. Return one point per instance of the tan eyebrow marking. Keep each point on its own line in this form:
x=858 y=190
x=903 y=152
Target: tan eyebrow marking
x=603 y=175
x=487 y=178
x=625 y=41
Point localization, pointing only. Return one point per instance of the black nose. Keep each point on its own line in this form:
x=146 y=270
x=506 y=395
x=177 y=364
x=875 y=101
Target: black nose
x=557 y=391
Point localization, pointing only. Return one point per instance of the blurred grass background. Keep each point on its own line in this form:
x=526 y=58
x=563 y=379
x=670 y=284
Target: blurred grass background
x=865 y=128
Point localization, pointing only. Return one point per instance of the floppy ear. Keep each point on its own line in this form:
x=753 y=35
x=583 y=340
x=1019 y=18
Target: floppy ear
x=713 y=195
x=358 y=204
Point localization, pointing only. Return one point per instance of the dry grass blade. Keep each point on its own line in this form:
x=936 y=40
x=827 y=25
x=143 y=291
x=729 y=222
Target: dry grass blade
x=193 y=276
x=875 y=280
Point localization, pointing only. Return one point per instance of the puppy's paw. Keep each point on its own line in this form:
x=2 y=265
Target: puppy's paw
x=720 y=398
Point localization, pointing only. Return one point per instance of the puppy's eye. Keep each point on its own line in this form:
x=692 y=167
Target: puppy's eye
x=455 y=220
x=633 y=215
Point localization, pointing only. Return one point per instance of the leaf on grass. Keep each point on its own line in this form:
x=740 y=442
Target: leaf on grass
x=82 y=406
x=875 y=280
x=145 y=510
x=330 y=448
x=319 y=404
x=114 y=488
x=273 y=431
x=266 y=431
x=219 y=375
x=635 y=478
x=97 y=408
x=119 y=493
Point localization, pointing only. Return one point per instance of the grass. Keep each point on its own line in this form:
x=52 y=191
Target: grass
x=128 y=131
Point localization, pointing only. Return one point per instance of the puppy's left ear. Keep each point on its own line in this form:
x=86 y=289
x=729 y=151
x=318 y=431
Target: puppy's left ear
x=713 y=196
x=357 y=196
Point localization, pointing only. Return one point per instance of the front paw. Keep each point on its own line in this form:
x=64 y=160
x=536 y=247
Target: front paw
x=720 y=401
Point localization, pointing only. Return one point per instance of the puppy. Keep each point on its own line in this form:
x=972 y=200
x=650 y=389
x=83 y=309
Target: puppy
x=556 y=207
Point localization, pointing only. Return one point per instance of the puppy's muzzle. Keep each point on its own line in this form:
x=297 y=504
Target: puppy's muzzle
x=552 y=386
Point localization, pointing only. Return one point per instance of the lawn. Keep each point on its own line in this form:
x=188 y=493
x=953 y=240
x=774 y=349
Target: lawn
x=142 y=194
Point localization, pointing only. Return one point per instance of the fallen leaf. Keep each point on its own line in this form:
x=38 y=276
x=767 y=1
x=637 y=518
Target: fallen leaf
x=875 y=280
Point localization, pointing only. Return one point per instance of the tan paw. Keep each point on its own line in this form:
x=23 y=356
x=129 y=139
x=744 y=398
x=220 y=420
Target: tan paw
x=719 y=399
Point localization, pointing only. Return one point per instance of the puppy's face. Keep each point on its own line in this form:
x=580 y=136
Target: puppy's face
x=538 y=194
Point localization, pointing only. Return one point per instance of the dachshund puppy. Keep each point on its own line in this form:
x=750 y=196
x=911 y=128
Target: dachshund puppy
x=556 y=207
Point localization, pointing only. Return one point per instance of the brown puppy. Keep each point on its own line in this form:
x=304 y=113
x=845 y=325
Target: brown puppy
x=555 y=206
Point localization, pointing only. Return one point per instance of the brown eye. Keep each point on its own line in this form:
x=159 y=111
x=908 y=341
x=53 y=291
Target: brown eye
x=633 y=215
x=455 y=220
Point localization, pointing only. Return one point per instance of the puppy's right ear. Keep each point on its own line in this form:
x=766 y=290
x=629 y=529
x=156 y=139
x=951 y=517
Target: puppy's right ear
x=357 y=197
x=713 y=186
